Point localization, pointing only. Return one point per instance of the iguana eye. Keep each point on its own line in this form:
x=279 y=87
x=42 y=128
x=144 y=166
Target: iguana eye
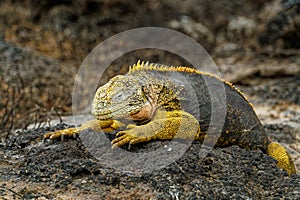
x=119 y=97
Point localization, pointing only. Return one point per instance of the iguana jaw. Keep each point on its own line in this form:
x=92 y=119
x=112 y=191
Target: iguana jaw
x=144 y=114
x=125 y=113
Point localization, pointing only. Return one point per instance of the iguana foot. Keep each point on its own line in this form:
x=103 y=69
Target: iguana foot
x=285 y=162
x=95 y=125
x=132 y=136
x=69 y=132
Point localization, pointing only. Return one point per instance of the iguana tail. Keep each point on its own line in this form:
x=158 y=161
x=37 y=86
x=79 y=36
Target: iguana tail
x=278 y=152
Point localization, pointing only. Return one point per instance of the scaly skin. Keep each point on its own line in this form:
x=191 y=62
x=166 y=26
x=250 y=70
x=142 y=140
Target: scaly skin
x=155 y=103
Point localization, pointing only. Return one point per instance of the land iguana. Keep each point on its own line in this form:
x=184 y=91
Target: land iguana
x=154 y=103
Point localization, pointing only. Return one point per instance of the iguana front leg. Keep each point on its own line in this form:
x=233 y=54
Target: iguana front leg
x=95 y=125
x=163 y=126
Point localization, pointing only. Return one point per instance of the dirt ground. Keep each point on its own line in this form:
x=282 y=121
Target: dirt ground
x=42 y=45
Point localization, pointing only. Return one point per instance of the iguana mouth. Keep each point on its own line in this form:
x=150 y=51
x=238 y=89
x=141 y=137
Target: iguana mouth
x=114 y=113
x=136 y=113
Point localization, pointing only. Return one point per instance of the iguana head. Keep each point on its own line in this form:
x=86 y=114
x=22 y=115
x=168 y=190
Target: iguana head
x=123 y=98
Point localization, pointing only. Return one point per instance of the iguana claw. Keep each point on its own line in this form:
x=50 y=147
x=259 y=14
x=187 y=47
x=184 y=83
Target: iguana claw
x=70 y=132
x=123 y=137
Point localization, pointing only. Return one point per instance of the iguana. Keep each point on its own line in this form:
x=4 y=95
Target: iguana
x=153 y=103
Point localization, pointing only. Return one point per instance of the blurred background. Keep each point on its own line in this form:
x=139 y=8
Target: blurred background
x=254 y=43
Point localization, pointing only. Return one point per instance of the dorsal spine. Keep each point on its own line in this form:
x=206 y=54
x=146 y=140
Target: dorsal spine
x=146 y=66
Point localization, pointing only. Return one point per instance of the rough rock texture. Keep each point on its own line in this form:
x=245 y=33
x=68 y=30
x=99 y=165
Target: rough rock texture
x=284 y=26
x=223 y=173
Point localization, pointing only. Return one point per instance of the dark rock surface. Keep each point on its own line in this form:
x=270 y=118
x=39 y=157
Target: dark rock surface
x=225 y=173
